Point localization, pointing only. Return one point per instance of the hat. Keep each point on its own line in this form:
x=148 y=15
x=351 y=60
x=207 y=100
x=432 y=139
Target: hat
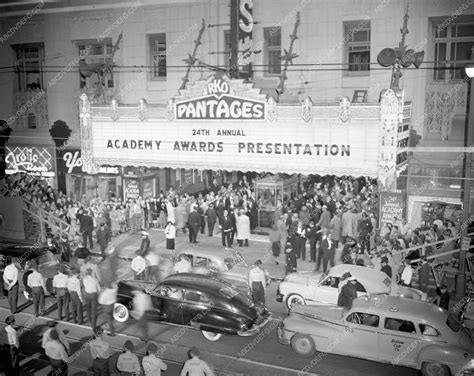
x=52 y=324
x=144 y=233
x=346 y=275
x=54 y=334
x=384 y=260
x=258 y=262
x=129 y=345
x=10 y=320
x=352 y=278
x=194 y=350
x=325 y=207
x=152 y=348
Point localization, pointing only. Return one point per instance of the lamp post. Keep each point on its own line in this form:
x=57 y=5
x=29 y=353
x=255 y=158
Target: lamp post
x=468 y=141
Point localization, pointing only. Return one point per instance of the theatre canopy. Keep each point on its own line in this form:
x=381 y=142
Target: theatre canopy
x=223 y=124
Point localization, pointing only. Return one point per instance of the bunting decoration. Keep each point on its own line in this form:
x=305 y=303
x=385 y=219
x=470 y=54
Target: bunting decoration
x=192 y=59
x=288 y=56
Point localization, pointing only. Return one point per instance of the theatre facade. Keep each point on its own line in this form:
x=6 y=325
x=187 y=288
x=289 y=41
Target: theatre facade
x=220 y=124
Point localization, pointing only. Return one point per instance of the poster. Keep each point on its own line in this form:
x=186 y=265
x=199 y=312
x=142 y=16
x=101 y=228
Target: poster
x=148 y=189
x=131 y=190
x=392 y=207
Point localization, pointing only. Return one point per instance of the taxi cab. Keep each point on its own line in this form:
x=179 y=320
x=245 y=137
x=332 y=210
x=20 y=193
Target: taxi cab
x=387 y=329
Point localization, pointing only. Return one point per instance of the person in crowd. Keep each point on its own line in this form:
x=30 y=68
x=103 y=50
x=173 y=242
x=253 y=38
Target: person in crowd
x=195 y=366
x=344 y=279
x=36 y=282
x=312 y=235
x=61 y=291
x=300 y=240
x=243 y=228
x=335 y=227
x=225 y=225
x=141 y=306
x=325 y=219
x=291 y=261
x=52 y=244
x=65 y=249
x=89 y=264
x=364 y=229
x=183 y=265
x=107 y=298
x=75 y=294
x=127 y=362
x=82 y=253
x=329 y=249
x=348 y=293
x=386 y=268
x=258 y=283
x=13 y=347
x=233 y=221
x=275 y=238
x=100 y=353
x=10 y=283
x=423 y=274
x=193 y=225
x=170 y=233
x=152 y=365
x=443 y=297
x=139 y=265
x=52 y=325
x=145 y=244
x=86 y=225
x=103 y=237
x=407 y=274
x=91 y=290
x=56 y=352
x=211 y=219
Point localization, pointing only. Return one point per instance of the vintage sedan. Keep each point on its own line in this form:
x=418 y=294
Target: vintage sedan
x=226 y=264
x=318 y=288
x=387 y=329
x=198 y=301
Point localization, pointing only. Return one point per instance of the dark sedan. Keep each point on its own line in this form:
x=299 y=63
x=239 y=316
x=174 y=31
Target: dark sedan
x=198 y=301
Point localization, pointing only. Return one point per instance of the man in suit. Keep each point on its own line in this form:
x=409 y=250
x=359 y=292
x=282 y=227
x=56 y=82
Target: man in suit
x=86 y=224
x=211 y=219
x=329 y=249
x=226 y=229
x=193 y=222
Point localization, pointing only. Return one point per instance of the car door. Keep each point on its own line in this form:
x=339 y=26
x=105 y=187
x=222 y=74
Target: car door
x=399 y=340
x=326 y=291
x=168 y=304
x=361 y=338
x=195 y=306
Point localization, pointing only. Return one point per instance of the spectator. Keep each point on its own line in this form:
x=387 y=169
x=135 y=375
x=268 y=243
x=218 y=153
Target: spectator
x=386 y=267
x=139 y=265
x=10 y=279
x=211 y=219
x=243 y=228
x=275 y=238
x=107 y=298
x=127 y=362
x=141 y=305
x=74 y=289
x=152 y=365
x=328 y=247
x=407 y=274
x=36 y=282
x=291 y=263
x=145 y=244
x=103 y=238
x=170 y=233
x=195 y=366
x=13 y=346
x=86 y=224
x=52 y=325
x=91 y=289
x=62 y=294
x=258 y=283
x=57 y=354
x=100 y=353
x=348 y=293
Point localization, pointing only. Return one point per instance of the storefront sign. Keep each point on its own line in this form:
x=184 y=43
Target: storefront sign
x=392 y=207
x=219 y=103
x=73 y=164
x=31 y=159
x=131 y=189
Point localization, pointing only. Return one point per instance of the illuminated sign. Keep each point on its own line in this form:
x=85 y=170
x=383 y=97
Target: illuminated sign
x=31 y=159
x=73 y=164
x=219 y=103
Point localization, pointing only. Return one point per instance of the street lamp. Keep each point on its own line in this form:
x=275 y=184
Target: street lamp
x=468 y=140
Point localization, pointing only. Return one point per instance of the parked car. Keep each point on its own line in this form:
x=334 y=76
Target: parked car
x=225 y=264
x=26 y=255
x=198 y=301
x=387 y=329
x=318 y=288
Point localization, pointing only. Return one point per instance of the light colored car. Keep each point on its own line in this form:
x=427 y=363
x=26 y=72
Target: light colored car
x=318 y=288
x=387 y=329
x=225 y=264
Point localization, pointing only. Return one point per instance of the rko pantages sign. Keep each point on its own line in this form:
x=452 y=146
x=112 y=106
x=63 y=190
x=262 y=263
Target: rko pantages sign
x=219 y=103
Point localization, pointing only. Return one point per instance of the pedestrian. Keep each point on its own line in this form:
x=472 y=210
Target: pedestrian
x=407 y=274
x=329 y=250
x=107 y=298
x=91 y=289
x=152 y=259
x=13 y=347
x=52 y=325
x=89 y=265
x=275 y=238
x=344 y=279
x=443 y=297
x=62 y=294
x=152 y=365
x=10 y=279
x=56 y=352
x=423 y=275
x=348 y=293
x=312 y=235
x=225 y=225
x=141 y=305
x=233 y=222
x=103 y=238
x=291 y=262
x=82 y=253
x=195 y=366
x=170 y=233
x=36 y=282
x=127 y=362
x=258 y=283
x=86 y=226
x=300 y=237
x=75 y=294
x=100 y=353
x=386 y=268
x=65 y=248
x=145 y=244
x=211 y=219
x=193 y=224
x=243 y=228
x=139 y=265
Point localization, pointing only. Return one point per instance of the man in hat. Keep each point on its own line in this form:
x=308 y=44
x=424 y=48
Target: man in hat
x=195 y=366
x=364 y=229
x=13 y=346
x=103 y=237
x=344 y=279
x=139 y=265
x=211 y=219
x=329 y=250
x=62 y=294
x=65 y=248
x=348 y=293
x=325 y=219
x=423 y=274
x=225 y=225
x=258 y=283
x=36 y=282
x=56 y=352
x=386 y=268
x=152 y=365
x=52 y=325
x=100 y=353
x=86 y=226
x=127 y=362
x=194 y=220
x=10 y=282
x=291 y=263
x=145 y=244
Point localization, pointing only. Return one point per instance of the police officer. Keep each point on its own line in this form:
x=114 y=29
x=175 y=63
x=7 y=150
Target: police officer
x=36 y=282
x=195 y=366
x=74 y=289
x=258 y=283
x=139 y=265
x=62 y=294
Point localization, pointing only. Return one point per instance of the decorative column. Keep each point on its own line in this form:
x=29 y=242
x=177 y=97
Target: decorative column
x=88 y=164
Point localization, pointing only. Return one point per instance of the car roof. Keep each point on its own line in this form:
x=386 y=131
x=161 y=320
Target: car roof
x=373 y=280
x=26 y=252
x=404 y=308
x=194 y=280
x=210 y=252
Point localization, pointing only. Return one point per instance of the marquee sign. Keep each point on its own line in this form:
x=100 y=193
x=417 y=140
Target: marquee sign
x=31 y=159
x=71 y=163
x=219 y=102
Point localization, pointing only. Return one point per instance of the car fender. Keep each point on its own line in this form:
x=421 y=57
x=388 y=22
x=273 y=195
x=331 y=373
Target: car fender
x=312 y=327
x=287 y=288
x=451 y=356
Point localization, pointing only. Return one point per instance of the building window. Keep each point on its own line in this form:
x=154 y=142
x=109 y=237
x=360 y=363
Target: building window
x=158 y=55
x=357 y=46
x=29 y=66
x=227 y=48
x=452 y=49
x=96 y=61
x=272 y=36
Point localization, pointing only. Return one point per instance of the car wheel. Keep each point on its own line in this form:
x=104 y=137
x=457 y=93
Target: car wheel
x=211 y=336
x=303 y=344
x=434 y=369
x=294 y=299
x=121 y=313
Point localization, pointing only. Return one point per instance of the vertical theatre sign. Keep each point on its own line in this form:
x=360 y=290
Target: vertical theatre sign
x=241 y=28
x=391 y=207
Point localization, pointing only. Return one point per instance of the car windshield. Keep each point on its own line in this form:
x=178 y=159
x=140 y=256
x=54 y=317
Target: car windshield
x=45 y=258
x=453 y=324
